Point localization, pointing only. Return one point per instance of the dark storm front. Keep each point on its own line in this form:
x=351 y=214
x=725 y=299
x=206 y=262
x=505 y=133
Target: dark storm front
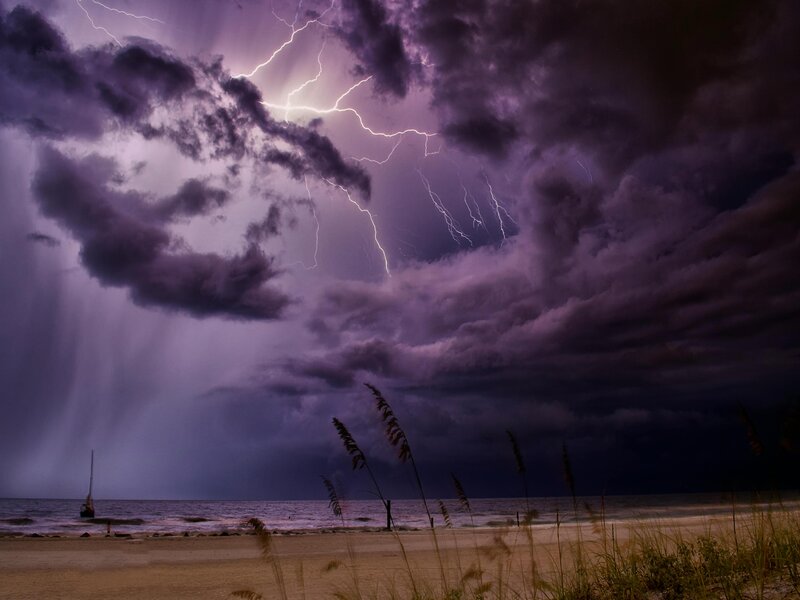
x=58 y=517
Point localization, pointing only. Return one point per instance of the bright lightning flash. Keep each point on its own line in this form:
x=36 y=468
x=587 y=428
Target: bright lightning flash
x=452 y=225
x=113 y=10
x=476 y=221
x=295 y=31
x=376 y=161
x=587 y=171
x=306 y=83
x=95 y=26
x=336 y=108
x=316 y=222
x=498 y=208
x=127 y=14
x=371 y=220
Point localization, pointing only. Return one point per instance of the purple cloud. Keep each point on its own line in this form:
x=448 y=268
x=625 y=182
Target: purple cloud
x=124 y=242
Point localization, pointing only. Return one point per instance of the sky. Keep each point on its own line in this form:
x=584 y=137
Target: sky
x=577 y=221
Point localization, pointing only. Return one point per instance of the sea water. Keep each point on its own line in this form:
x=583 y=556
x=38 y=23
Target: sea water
x=147 y=517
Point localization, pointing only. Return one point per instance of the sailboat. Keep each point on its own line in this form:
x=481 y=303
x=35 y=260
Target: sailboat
x=87 y=509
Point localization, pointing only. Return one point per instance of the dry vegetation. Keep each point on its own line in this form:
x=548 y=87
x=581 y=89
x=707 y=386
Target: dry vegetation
x=752 y=554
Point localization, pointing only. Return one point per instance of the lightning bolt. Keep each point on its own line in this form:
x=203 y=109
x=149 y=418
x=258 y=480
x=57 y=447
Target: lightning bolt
x=313 y=211
x=316 y=221
x=306 y=83
x=113 y=10
x=127 y=14
x=452 y=225
x=431 y=152
x=288 y=107
x=498 y=208
x=95 y=26
x=336 y=108
x=476 y=221
x=295 y=31
x=284 y=21
x=371 y=220
x=376 y=161
x=591 y=179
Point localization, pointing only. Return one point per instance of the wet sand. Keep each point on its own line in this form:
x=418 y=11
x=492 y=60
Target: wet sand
x=313 y=565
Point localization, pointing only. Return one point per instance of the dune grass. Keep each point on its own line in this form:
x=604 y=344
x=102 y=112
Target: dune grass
x=752 y=554
x=761 y=562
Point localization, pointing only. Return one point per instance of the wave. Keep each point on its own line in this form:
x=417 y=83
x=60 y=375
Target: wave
x=18 y=521
x=98 y=521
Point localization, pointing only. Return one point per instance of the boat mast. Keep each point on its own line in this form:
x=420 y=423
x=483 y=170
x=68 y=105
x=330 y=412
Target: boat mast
x=91 y=474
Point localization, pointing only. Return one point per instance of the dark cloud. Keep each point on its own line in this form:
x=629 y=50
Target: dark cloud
x=647 y=287
x=364 y=358
x=43 y=238
x=323 y=159
x=683 y=299
x=55 y=92
x=319 y=156
x=377 y=44
x=651 y=272
x=488 y=134
x=51 y=91
x=265 y=229
x=45 y=88
x=131 y=81
x=124 y=243
x=248 y=99
x=194 y=198
x=617 y=79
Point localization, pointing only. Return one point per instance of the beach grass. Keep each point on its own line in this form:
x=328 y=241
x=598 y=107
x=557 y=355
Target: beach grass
x=753 y=553
x=655 y=559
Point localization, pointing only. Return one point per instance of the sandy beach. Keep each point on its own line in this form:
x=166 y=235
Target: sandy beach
x=313 y=565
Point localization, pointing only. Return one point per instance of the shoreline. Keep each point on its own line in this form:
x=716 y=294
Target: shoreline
x=138 y=518
x=279 y=533
x=138 y=528
x=313 y=563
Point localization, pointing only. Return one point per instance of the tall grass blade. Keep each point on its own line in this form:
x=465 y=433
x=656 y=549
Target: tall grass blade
x=265 y=542
x=394 y=433
x=333 y=499
x=397 y=438
x=461 y=495
x=517 y=452
x=360 y=461
x=520 y=463
x=350 y=445
x=445 y=514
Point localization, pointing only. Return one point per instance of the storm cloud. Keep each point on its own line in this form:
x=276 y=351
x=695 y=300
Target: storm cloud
x=619 y=80
x=43 y=238
x=378 y=46
x=657 y=224
x=124 y=243
x=630 y=285
x=54 y=92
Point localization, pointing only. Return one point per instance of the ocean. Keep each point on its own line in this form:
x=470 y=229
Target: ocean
x=50 y=517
